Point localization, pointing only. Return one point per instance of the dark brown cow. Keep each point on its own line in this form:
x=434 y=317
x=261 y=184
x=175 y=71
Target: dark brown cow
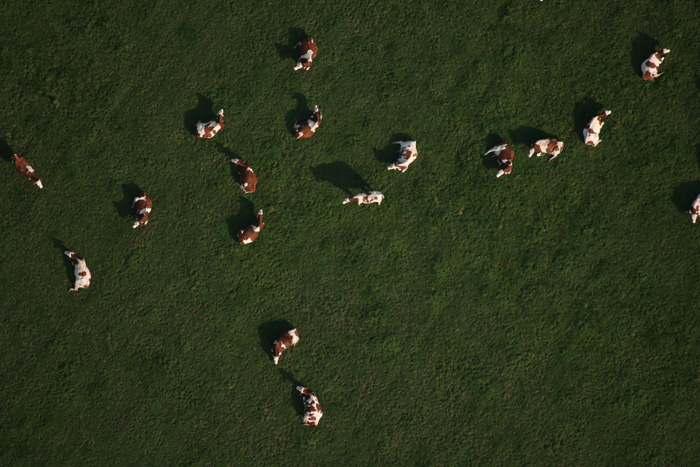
x=23 y=167
x=209 y=129
x=504 y=156
x=286 y=340
x=249 y=181
x=309 y=127
x=143 y=206
x=312 y=409
x=307 y=52
x=250 y=233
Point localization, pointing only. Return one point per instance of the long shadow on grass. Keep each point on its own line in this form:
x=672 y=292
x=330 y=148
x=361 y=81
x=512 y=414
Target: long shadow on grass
x=341 y=175
x=70 y=274
x=270 y=331
x=684 y=195
x=229 y=155
x=584 y=111
x=297 y=401
x=389 y=153
x=300 y=113
x=5 y=151
x=528 y=135
x=286 y=51
x=204 y=112
x=123 y=206
x=245 y=217
x=489 y=162
x=642 y=46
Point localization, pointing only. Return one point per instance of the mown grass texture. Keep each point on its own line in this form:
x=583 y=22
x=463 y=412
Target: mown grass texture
x=553 y=322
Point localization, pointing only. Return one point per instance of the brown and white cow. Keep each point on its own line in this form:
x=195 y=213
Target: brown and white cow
x=143 y=206
x=312 y=409
x=407 y=154
x=366 y=198
x=308 y=128
x=504 y=156
x=650 y=67
x=286 y=340
x=695 y=209
x=250 y=233
x=307 y=52
x=23 y=167
x=546 y=146
x=209 y=129
x=591 y=133
x=82 y=273
x=249 y=181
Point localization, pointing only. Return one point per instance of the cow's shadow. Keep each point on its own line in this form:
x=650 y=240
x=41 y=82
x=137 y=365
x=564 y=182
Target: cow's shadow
x=642 y=47
x=584 y=111
x=229 y=155
x=341 y=175
x=297 y=400
x=492 y=140
x=270 y=331
x=389 y=153
x=204 y=112
x=684 y=195
x=124 y=205
x=287 y=51
x=528 y=135
x=5 y=151
x=300 y=113
x=244 y=218
x=70 y=269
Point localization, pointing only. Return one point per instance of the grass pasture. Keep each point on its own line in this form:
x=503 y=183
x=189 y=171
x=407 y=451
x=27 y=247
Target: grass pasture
x=546 y=317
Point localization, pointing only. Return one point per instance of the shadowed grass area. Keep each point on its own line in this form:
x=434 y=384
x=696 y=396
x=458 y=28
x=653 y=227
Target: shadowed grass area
x=544 y=317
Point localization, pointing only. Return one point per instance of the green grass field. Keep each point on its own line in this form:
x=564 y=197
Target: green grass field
x=555 y=321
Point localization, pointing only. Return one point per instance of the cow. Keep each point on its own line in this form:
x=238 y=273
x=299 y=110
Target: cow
x=504 y=156
x=82 y=273
x=249 y=181
x=286 y=340
x=308 y=128
x=546 y=146
x=307 y=52
x=407 y=154
x=650 y=67
x=695 y=209
x=592 y=130
x=250 y=233
x=143 y=206
x=209 y=129
x=23 y=167
x=366 y=198
x=312 y=409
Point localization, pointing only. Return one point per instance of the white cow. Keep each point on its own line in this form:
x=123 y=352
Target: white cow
x=407 y=154
x=82 y=273
x=366 y=198
x=591 y=133
x=695 y=209
x=650 y=67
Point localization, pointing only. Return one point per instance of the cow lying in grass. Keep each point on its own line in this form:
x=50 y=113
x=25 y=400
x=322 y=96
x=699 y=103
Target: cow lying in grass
x=312 y=409
x=546 y=146
x=285 y=341
x=650 y=67
x=308 y=128
x=504 y=156
x=210 y=129
x=307 y=52
x=249 y=181
x=591 y=133
x=250 y=233
x=407 y=154
x=82 y=273
x=695 y=209
x=143 y=206
x=23 y=167
x=366 y=198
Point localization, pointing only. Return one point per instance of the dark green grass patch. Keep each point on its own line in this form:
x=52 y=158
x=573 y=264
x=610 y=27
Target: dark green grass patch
x=546 y=317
